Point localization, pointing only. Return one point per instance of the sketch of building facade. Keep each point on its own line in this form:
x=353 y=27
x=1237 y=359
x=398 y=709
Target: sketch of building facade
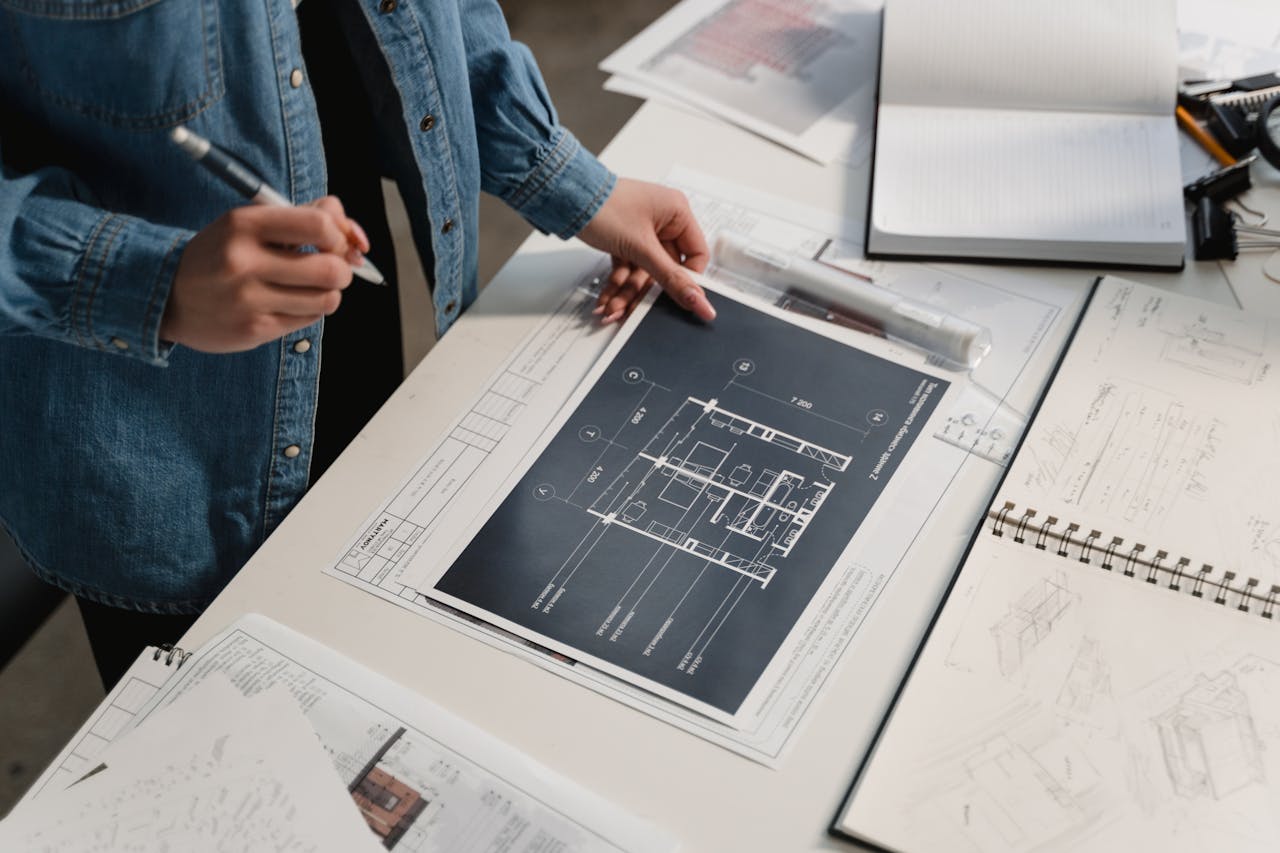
x=1211 y=747
x=732 y=491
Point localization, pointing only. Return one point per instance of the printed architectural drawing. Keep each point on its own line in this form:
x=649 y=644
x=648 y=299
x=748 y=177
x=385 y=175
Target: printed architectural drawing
x=688 y=509
x=391 y=805
x=699 y=486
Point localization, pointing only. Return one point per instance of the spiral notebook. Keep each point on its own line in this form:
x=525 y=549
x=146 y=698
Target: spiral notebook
x=1104 y=672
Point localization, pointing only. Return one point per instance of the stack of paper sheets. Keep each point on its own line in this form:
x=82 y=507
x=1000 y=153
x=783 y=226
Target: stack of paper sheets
x=799 y=72
x=214 y=771
x=265 y=739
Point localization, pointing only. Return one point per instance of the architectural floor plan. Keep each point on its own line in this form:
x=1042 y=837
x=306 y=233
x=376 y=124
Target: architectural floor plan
x=688 y=509
x=684 y=489
x=412 y=536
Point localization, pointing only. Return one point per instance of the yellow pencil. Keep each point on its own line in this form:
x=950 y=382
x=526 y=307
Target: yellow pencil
x=1200 y=135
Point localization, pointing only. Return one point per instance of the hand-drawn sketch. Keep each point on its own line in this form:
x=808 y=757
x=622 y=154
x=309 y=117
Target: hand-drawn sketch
x=1017 y=789
x=1137 y=453
x=1264 y=538
x=1162 y=432
x=1230 y=349
x=1211 y=748
x=1088 y=680
x=685 y=514
x=1029 y=621
x=1037 y=804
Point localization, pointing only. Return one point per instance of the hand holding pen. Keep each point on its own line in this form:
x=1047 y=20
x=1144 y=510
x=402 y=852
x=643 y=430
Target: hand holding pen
x=239 y=285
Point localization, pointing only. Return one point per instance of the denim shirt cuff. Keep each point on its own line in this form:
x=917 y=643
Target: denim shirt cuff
x=122 y=285
x=565 y=189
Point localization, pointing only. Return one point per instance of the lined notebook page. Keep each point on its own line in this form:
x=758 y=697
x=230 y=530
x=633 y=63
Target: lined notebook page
x=1031 y=54
x=1029 y=130
x=1003 y=176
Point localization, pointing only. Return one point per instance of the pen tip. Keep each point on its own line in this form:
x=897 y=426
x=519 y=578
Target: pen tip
x=195 y=145
x=367 y=271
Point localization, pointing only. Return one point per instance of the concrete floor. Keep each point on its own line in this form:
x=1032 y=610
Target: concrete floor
x=49 y=688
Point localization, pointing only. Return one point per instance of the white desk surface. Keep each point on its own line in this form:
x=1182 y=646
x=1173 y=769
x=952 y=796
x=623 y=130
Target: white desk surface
x=708 y=797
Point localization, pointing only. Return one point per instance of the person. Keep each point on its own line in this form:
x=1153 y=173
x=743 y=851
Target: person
x=165 y=402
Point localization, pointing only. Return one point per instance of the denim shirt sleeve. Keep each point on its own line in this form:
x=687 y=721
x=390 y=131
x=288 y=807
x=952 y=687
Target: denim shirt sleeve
x=76 y=273
x=526 y=158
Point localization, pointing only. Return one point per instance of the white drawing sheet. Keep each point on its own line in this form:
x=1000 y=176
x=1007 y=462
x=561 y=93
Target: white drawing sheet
x=424 y=779
x=799 y=72
x=113 y=716
x=214 y=771
x=1028 y=315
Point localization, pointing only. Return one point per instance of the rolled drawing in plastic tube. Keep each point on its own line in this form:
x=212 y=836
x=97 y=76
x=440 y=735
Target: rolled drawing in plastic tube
x=872 y=308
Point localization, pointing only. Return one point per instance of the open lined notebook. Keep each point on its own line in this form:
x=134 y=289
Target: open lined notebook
x=1104 y=673
x=1028 y=129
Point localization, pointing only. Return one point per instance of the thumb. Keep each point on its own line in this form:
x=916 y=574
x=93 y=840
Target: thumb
x=677 y=282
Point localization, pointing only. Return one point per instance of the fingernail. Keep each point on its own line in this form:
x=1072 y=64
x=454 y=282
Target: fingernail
x=598 y=310
x=612 y=318
x=694 y=299
x=355 y=257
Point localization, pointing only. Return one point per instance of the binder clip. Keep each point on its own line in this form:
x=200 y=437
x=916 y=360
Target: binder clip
x=1213 y=231
x=1219 y=186
x=1254 y=236
x=1217 y=232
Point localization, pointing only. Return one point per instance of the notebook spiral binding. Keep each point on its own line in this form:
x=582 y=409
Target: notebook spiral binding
x=171 y=654
x=1112 y=555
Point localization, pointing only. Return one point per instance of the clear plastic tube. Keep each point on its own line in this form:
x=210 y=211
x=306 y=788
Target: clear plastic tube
x=882 y=311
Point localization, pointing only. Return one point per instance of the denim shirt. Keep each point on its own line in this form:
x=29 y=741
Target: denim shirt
x=144 y=475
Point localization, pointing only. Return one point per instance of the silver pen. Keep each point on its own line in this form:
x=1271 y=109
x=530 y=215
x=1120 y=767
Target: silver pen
x=237 y=176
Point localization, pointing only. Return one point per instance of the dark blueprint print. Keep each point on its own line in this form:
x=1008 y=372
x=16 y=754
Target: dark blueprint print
x=681 y=520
